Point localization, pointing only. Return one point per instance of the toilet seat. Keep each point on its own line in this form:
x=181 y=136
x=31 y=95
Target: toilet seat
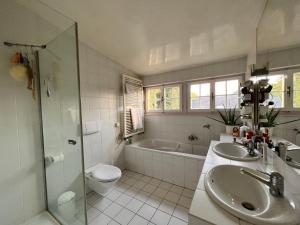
x=105 y=173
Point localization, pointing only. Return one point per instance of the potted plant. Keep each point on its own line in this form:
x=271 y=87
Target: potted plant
x=230 y=118
x=271 y=117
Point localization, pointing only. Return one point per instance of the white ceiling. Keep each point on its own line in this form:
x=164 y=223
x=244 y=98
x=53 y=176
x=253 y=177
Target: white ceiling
x=279 y=26
x=154 y=36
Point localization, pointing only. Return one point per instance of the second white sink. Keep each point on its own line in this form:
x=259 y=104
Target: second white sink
x=249 y=199
x=235 y=152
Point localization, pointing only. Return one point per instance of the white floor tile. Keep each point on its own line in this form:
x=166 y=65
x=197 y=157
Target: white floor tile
x=165 y=185
x=113 y=195
x=92 y=213
x=185 y=202
x=112 y=222
x=175 y=221
x=101 y=220
x=134 y=205
x=92 y=197
x=130 y=181
x=154 y=201
x=159 y=192
x=132 y=191
x=122 y=187
x=102 y=203
x=172 y=197
x=160 y=218
x=181 y=213
x=146 y=211
x=146 y=179
x=177 y=189
x=137 y=220
x=123 y=200
x=188 y=193
x=149 y=188
x=139 y=185
x=167 y=207
x=124 y=216
x=137 y=176
x=155 y=181
x=113 y=210
x=142 y=196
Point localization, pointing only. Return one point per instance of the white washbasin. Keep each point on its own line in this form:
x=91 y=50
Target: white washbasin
x=235 y=152
x=249 y=199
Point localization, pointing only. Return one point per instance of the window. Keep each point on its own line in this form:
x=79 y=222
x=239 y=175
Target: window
x=164 y=98
x=172 y=98
x=154 y=99
x=214 y=94
x=227 y=94
x=296 y=90
x=199 y=95
x=277 y=95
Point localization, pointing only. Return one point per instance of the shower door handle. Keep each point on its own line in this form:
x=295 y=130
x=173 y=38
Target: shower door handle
x=71 y=142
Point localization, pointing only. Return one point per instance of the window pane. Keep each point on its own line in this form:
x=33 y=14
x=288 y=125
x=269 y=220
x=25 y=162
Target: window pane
x=232 y=101
x=232 y=87
x=220 y=101
x=172 y=98
x=220 y=88
x=296 y=99
x=200 y=103
x=277 y=97
x=205 y=89
x=154 y=99
x=277 y=82
x=296 y=82
x=195 y=90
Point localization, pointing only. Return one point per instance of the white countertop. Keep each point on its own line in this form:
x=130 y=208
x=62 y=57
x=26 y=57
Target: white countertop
x=204 y=211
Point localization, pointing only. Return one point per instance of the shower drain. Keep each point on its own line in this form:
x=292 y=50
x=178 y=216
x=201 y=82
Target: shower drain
x=248 y=206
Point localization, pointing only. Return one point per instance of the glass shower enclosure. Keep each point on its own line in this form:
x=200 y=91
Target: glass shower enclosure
x=61 y=127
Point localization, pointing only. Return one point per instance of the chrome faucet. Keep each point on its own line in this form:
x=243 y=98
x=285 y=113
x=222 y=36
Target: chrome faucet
x=274 y=180
x=249 y=145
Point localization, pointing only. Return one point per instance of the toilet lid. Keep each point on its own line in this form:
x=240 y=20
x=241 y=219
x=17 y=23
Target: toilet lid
x=106 y=173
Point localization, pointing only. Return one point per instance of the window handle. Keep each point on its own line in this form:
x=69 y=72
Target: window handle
x=288 y=91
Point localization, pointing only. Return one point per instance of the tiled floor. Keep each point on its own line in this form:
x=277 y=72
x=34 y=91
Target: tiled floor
x=140 y=200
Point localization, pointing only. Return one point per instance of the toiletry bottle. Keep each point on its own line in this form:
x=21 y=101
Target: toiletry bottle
x=265 y=153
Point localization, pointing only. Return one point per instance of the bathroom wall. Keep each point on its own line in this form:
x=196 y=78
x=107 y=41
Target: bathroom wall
x=179 y=126
x=21 y=159
x=101 y=98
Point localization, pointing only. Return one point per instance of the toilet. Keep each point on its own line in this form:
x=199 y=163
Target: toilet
x=101 y=177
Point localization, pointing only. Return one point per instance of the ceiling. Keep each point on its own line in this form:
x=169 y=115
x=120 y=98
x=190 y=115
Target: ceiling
x=155 y=36
x=279 y=27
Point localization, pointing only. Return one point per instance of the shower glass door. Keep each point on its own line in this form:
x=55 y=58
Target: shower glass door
x=61 y=122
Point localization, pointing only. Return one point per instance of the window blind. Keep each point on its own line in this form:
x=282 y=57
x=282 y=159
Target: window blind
x=133 y=106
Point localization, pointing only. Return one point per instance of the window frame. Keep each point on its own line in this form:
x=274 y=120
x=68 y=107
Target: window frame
x=162 y=89
x=189 y=84
x=288 y=82
x=229 y=78
x=212 y=81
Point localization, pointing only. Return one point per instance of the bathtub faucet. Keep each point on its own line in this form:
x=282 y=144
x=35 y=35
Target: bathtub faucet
x=206 y=126
x=192 y=137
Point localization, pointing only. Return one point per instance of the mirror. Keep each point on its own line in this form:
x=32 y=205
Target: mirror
x=278 y=46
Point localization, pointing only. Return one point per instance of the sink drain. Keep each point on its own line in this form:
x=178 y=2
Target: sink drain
x=248 y=206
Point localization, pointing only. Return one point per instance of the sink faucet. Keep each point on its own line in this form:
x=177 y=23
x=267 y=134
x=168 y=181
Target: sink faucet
x=275 y=181
x=249 y=145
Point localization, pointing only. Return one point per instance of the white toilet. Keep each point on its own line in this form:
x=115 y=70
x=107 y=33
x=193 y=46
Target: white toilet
x=102 y=177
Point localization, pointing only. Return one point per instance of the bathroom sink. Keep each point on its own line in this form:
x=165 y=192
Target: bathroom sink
x=293 y=158
x=235 y=152
x=249 y=199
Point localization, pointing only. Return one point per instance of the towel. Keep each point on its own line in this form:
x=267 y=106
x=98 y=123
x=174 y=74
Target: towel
x=137 y=116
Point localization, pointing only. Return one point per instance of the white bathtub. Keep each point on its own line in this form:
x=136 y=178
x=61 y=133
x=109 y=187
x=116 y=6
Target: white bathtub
x=166 y=160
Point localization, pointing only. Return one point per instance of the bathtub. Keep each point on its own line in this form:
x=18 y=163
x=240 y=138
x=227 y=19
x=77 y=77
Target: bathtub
x=166 y=160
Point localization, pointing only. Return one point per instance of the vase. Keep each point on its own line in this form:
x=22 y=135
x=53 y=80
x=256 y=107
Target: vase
x=268 y=130
x=229 y=129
